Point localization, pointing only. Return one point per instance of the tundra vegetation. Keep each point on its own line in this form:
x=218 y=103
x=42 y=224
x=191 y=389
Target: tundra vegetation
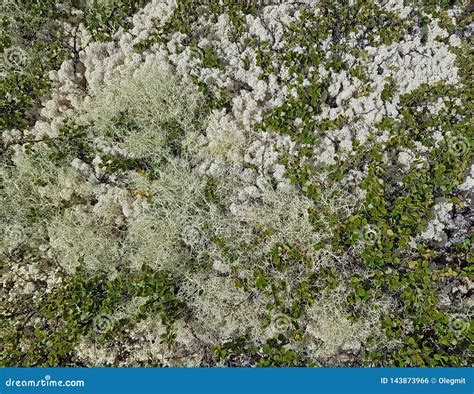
x=236 y=183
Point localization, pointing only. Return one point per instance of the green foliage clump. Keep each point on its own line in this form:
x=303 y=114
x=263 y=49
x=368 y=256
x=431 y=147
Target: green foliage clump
x=47 y=332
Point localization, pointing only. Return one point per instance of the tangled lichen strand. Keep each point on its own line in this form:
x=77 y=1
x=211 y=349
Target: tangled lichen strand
x=243 y=184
